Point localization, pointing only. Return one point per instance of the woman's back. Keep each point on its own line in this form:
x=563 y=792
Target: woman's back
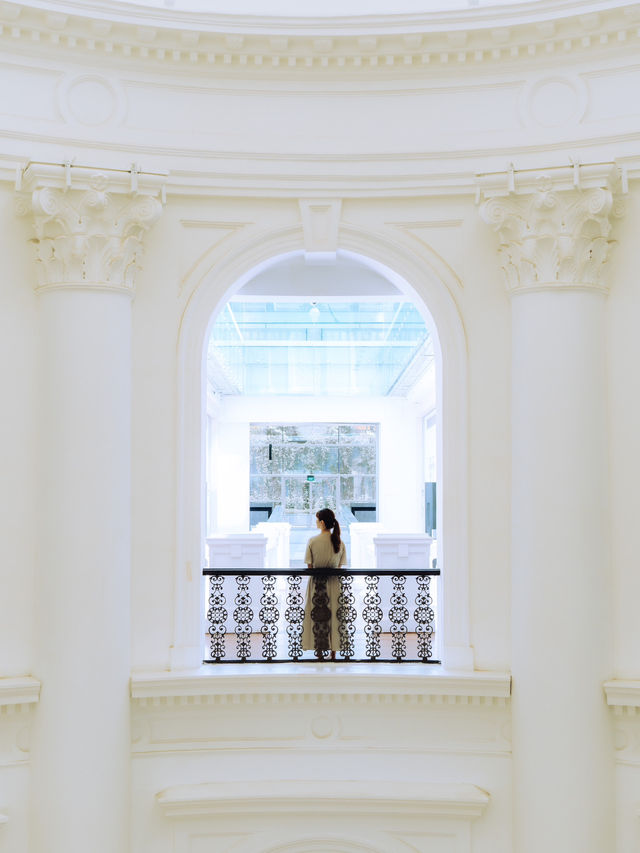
x=321 y=555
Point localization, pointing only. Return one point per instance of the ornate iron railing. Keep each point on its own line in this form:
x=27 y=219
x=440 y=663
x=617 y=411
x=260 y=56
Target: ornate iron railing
x=263 y=615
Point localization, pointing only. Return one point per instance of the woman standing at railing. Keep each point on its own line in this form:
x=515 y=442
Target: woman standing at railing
x=321 y=630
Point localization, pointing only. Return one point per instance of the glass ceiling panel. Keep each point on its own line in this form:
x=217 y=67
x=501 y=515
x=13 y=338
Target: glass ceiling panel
x=354 y=348
x=319 y=8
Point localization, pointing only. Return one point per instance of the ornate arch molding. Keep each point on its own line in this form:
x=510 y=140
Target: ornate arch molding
x=208 y=290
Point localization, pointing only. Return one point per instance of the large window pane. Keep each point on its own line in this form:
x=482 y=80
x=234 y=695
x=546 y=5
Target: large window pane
x=316 y=465
x=266 y=490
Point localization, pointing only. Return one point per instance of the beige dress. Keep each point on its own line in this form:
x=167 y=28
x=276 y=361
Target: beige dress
x=320 y=555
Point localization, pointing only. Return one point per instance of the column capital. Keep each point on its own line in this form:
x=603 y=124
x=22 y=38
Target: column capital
x=553 y=236
x=88 y=224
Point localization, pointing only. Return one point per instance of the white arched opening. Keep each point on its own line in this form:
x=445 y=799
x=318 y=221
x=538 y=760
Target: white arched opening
x=426 y=288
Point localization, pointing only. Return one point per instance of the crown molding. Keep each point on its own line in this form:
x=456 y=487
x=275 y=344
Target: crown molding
x=397 y=44
x=314 y=684
x=397 y=176
x=378 y=178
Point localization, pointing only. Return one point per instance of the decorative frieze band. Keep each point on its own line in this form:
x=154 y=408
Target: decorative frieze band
x=382 y=44
x=553 y=237
x=88 y=225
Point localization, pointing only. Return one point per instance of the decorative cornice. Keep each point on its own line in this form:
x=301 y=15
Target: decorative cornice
x=395 y=43
x=88 y=223
x=448 y=800
x=553 y=236
x=18 y=692
x=269 y=685
x=623 y=696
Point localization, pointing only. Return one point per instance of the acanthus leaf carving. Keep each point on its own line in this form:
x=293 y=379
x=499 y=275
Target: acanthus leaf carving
x=88 y=236
x=553 y=237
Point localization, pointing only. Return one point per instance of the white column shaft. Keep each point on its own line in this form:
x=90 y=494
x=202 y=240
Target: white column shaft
x=562 y=751
x=82 y=745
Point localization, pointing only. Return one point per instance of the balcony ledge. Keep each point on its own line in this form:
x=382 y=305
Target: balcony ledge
x=623 y=696
x=248 y=683
x=15 y=692
x=445 y=800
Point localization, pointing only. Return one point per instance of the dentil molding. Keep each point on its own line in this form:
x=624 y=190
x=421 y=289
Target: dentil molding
x=261 y=684
x=553 y=235
x=394 y=44
x=88 y=224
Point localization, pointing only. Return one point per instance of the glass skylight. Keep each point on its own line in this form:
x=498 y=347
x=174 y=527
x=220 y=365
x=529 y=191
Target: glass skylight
x=315 y=8
x=316 y=348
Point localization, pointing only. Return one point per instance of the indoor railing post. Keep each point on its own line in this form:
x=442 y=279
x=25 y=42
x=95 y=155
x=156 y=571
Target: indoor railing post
x=372 y=615
x=269 y=614
x=243 y=614
x=294 y=615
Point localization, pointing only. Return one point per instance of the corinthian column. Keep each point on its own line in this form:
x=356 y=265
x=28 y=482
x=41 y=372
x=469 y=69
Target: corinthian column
x=553 y=247
x=88 y=239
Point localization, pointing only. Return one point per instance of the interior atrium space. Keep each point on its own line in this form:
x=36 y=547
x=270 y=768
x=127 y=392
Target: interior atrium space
x=319 y=440
x=357 y=346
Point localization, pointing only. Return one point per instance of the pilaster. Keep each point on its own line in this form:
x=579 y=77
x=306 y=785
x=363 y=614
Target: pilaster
x=88 y=227
x=555 y=240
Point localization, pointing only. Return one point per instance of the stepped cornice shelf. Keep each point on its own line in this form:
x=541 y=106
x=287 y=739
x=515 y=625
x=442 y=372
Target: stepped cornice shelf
x=623 y=696
x=316 y=683
x=18 y=691
x=288 y=797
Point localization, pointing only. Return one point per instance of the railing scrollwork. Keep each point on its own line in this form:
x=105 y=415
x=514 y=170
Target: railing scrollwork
x=382 y=615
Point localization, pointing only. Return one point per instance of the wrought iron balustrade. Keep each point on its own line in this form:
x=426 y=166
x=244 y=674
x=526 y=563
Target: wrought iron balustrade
x=384 y=615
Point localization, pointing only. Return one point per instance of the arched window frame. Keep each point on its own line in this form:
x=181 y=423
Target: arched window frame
x=430 y=286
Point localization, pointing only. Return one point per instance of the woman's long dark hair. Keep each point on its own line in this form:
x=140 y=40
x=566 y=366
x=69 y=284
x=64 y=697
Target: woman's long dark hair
x=331 y=523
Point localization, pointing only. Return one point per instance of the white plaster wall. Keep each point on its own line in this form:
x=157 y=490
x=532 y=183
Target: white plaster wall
x=487 y=313
x=18 y=426
x=624 y=427
x=15 y=724
x=325 y=740
x=154 y=473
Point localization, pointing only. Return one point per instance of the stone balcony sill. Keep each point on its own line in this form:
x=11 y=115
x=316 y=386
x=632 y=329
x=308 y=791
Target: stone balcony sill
x=322 y=682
